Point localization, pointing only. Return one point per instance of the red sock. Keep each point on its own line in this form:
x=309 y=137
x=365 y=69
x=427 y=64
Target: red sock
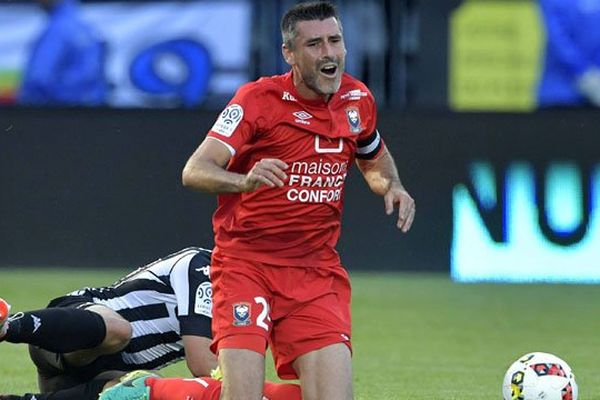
x=282 y=391
x=210 y=389
x=184 y=389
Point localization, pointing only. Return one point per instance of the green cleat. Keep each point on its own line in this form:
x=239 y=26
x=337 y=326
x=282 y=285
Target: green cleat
x=216 y=374
x=131 y=387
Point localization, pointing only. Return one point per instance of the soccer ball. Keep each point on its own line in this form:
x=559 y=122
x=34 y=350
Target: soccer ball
x=539 y=376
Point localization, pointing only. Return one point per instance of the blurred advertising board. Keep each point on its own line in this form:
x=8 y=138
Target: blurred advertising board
x=159 y=54
x=524 y=223
x=495 y=48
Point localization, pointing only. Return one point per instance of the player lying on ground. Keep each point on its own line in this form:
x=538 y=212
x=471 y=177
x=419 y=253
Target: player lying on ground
x=143 y=385
x=153 y=317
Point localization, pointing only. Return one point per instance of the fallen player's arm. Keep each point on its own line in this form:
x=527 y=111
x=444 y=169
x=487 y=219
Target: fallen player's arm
x=200 y=360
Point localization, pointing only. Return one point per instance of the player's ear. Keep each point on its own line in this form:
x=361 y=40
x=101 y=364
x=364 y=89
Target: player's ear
x=288 y=55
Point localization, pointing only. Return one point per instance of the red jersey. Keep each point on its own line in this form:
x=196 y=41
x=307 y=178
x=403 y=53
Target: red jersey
x=299 y=223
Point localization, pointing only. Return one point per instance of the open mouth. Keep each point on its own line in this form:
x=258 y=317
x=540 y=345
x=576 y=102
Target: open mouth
x=329 y=70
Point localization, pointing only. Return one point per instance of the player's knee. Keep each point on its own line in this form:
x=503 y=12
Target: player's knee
x=118 y=334
x=318 y=368
x=318 y=388
x=118 y=329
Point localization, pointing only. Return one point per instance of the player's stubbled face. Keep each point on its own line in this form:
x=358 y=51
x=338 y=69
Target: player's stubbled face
x=320 y=53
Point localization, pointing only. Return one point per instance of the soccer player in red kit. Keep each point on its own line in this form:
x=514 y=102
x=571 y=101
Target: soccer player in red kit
x=278 y=156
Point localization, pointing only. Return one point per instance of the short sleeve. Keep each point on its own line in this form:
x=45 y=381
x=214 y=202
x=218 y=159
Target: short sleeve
x=240 y=120
x=369 y=143
x=193 y=290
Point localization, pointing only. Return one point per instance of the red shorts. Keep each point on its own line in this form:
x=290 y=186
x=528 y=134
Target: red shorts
x=295 y=310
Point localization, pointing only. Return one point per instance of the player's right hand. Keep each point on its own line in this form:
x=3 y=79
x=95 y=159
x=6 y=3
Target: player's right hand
x=268 y=171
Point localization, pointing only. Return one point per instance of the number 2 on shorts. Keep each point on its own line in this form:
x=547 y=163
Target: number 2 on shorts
x=264 y=314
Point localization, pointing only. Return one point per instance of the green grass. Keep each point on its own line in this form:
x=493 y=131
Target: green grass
x=416 y=336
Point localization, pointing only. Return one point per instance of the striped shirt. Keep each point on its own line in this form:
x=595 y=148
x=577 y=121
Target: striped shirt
x=163 y=300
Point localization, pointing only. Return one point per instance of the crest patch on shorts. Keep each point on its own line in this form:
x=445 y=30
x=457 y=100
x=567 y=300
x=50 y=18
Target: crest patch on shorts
x=241 y=314
x=229 y=120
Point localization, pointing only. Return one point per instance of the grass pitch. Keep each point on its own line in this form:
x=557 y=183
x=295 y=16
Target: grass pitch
x=416 y=336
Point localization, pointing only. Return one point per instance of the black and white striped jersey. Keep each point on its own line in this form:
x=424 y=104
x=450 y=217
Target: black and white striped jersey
x=163 y=300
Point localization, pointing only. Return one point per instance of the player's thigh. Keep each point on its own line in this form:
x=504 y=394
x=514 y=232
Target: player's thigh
x=52 y=373
x=316 y=323
x=326 y=373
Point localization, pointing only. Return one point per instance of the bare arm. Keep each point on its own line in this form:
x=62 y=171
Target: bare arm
x=382 y=177
x=200 y=360
x=205 y=171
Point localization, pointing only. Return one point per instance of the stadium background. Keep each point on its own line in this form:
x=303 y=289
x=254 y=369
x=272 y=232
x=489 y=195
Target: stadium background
x=456 y=83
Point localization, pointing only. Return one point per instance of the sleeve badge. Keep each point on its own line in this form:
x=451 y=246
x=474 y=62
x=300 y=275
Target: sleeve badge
x=354 y=121
x=229 y=120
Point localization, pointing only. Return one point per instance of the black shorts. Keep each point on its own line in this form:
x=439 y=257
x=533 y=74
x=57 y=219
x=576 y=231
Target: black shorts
x=71 y=301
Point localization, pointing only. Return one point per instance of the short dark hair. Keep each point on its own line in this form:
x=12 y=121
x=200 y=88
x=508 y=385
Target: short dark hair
x=306 y=11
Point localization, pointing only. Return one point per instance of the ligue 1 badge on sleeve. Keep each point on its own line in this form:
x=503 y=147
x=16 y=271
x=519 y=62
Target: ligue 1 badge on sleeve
x=354 y=119
x=203 y=303
x=228 y=121
x=241 y=314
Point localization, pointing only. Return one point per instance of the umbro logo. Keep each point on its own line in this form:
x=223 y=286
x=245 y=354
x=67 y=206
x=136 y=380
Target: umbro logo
x=301 y=117
x=287 y=96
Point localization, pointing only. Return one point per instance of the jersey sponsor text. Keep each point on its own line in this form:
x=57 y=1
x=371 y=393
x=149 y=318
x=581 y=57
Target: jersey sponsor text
x=319 y=182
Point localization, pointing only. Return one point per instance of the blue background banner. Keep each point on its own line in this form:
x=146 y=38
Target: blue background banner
x=158 y=54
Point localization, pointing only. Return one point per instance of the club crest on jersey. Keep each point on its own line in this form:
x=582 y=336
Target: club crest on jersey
x=241 y=314
x=354 y=119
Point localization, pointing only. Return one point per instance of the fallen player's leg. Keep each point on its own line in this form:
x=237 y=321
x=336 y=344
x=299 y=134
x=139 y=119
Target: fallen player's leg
x=142 y=385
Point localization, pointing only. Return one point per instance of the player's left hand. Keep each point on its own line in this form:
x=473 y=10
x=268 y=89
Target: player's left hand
x=396 y=194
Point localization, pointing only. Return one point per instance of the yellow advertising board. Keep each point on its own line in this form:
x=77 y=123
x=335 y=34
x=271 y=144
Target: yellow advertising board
x=495 y=50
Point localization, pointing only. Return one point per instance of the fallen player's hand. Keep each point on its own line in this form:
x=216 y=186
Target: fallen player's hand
x=396 y=194
x=268 y=171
